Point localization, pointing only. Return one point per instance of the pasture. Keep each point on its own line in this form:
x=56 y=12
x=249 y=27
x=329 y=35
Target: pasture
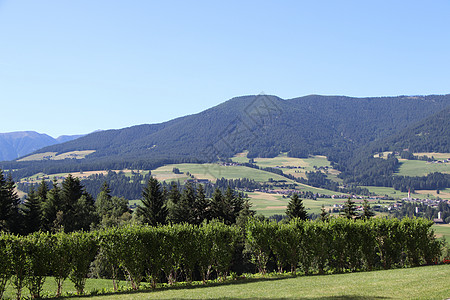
x=56 y=156
x=421 y=168
x=216 y=171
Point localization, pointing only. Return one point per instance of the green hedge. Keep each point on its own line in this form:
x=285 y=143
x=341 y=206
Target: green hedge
x=168 y=252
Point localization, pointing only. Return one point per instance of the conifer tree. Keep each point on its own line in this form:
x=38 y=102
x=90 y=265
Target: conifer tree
x=50 y=208
x=367 y=212
x=9 y=205
x=103 y=203
x=201 y=206
x=42 y=191
x=350 y=209
x=32 y=212
x=217 y=205
x=324 y=216
x=296 y=209
x=173 y=201
x=153 y=209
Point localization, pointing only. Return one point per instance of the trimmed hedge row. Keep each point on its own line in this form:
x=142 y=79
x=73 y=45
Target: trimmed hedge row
x=342 y=245
x=155 y=253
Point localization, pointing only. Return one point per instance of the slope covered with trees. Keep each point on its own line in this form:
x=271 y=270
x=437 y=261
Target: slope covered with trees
x=335 y=126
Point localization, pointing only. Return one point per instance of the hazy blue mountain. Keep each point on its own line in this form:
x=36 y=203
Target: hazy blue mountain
x=21 y=143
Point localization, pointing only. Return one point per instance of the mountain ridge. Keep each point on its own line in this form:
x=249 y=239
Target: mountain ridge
x=264 y=125
x=20 y=143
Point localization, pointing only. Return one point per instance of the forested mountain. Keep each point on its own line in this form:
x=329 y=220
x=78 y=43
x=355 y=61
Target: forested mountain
x=21 y=143
x=335 y=126
x=429 y=135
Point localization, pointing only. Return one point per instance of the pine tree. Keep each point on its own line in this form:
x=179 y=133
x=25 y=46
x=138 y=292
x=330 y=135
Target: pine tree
x=103 y=203
x=78 y=210
x=324 y=216
x=350 y=209
x=42 y=191
x=202 y=206
x=153 y=210
x=50 y=208
x=367 y=212
x=173 y=200
x=295 y=208
x=217 y=205
x=245 y=213
x=32 y=212
x=9 y=205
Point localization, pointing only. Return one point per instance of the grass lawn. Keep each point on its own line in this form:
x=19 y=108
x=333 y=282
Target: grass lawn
x=429 y=282
x=442 y=231
x=421 y=168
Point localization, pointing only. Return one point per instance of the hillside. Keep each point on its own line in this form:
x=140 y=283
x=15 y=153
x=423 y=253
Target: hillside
x=264 y=125
x=21 y=143
x=429 y=135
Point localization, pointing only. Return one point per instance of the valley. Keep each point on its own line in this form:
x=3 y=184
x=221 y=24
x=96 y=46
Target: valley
x=273 y=196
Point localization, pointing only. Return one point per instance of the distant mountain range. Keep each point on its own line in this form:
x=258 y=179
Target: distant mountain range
x=20 y=143
x=336 y=126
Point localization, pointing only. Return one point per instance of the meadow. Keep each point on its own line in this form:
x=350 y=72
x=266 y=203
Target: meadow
x=421 y=168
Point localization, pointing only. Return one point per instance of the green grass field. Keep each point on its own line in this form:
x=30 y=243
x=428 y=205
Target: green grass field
x=215 y=171
x=421 y=168
x=442 y=231
x=429 y=282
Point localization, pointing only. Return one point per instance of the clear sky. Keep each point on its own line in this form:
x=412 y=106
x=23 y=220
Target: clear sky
x=72 y=67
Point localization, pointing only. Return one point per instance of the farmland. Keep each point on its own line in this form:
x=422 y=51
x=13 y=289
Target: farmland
x=421 y=168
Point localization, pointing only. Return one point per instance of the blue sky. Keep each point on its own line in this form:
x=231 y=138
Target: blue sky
x=72 y=67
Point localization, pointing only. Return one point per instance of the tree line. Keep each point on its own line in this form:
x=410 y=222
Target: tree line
x=67 y=206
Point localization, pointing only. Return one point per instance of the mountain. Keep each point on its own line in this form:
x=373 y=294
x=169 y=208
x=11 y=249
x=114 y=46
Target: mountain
x=21 y=143
x=429 y=135
x=335 y=126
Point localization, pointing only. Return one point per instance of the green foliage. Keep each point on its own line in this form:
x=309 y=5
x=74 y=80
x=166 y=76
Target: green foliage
x=259 y=236
x=5 y=261
x=61 y=262
x=38 y=247
x=84 y=248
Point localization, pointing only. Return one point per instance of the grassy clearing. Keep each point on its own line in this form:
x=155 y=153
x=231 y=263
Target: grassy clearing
x=421 y=168
x=36 y=178
x=442 y=231
x=434 y=154
x=420 y=194
x=215 y=171
x=429 y=282
x=55 y=156
x=241 y=157
x=273 y=204
x=444 y=194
